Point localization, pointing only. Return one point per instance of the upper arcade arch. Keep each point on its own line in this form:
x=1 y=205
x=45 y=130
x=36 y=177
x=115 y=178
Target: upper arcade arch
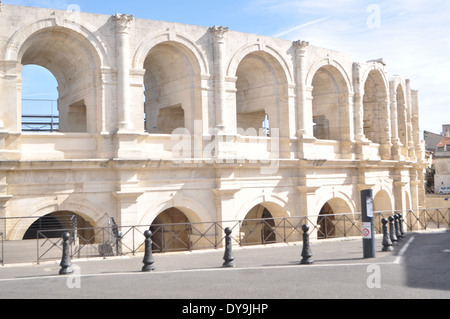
x=90 y=41
x=271 y=54
x=261 y=92
x=376 y=107
x=402 y=115
x=75 y=62
x=171 y=80
x=195 y=57
x=331 y=92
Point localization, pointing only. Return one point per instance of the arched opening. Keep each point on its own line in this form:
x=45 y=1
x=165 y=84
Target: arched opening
x=171 y=231
x=383 y=207
x=375 y=108
x=171 y=84
x=325 y=221
x=382 y=202
x=53 y=225
x=258 y=227
x=72 y=61
x=39 y=100
x=335 y=220
x=330 y=102
x=261 y=95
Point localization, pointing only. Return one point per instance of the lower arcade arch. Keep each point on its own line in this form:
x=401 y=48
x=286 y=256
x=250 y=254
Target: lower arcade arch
x=53 y=225
x=171 y=231
x=335 y=220
x=261 y=225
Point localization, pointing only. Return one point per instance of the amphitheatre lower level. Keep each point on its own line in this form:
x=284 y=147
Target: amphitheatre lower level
x=169 y=123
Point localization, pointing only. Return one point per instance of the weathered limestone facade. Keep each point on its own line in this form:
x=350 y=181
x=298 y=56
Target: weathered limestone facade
x=335 y=126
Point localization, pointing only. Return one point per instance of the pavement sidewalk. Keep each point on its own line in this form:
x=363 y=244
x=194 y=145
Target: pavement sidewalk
x=329 y=252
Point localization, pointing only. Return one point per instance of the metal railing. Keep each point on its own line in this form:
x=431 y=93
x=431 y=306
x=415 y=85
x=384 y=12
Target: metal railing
x=40 y=115
x=2 y=243
x=115 y=240
x=40 y=123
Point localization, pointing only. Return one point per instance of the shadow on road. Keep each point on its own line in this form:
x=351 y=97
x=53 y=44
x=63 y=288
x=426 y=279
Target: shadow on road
x=427 y=261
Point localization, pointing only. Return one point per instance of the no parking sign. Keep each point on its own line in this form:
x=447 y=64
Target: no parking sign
x=367 y=230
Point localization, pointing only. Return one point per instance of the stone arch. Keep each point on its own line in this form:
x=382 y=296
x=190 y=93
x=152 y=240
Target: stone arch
x=171 y=230
x=340 y=203
x=261 y=94
x=330 y=63
x=375 y=105
x=383 y=201
x=97 y=47
x=329 y=224
x=402 y=114
x=262 y=82
x=262 y=224
x=153 y=40
x=74 y=57
x=195 y=211
x=331 y=91
x=89 y=212
x=178 y=226
x=241 y=53
x=408 y=199
x=399 y=114
x=274 y=203
x=172 y=82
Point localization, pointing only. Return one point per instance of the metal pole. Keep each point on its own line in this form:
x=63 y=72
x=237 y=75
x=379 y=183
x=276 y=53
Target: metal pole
x=367 y=223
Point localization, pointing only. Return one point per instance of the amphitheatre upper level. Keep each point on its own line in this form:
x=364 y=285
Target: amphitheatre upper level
x=126 y=84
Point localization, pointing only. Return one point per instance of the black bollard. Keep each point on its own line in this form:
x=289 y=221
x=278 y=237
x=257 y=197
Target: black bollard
x=306 y=252
x=66 y=263
x=393 y=237
x=397 y=227
x=400 y=223
x=387 y=244
x=228 y=256
x=148 y=256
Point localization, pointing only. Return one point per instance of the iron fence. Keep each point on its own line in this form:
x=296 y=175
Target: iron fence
x=2 y=243
x=117 y=240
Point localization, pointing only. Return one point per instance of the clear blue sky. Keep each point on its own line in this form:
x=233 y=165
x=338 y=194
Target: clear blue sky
x=413 y=36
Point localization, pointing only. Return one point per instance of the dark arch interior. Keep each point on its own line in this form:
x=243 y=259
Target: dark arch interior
x=171 y=231
x=49 y=226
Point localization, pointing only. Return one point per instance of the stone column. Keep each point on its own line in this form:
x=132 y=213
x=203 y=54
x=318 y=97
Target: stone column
x=415 y=123
x=10 y=101
x=123 y=23
x=305 y=132
x=409 y=124
x=219 y=35
x=358 y=103
x=394 y=123
x=305 y=127
x=385 y=133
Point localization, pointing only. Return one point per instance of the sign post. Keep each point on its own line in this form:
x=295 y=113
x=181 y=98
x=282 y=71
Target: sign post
x=367 y=224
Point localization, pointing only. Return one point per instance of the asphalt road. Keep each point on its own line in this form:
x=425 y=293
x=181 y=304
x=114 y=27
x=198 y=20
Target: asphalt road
x=417 y=268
